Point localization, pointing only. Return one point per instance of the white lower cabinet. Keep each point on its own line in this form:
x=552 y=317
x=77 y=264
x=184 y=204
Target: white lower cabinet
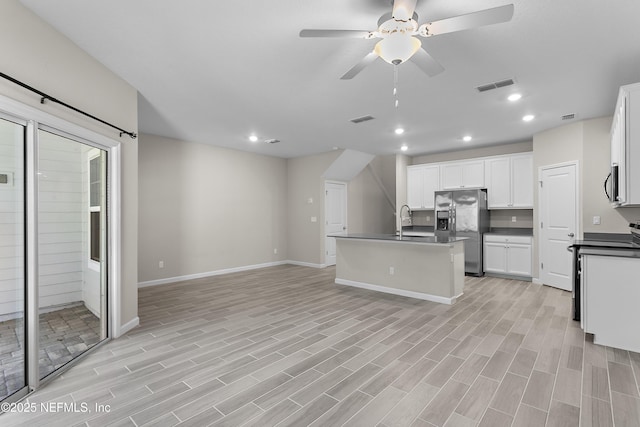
x=610 y=292
x=508 y=255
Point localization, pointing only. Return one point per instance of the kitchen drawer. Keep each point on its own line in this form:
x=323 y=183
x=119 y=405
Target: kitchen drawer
x=500 y=238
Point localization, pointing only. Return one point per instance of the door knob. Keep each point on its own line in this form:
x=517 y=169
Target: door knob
x=570 y=234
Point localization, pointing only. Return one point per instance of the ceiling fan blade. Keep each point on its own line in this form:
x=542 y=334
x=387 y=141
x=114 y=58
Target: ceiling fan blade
x=372 y=56
x=357 y=34
x=403 y=9
x=426 y=63
x=468 y=21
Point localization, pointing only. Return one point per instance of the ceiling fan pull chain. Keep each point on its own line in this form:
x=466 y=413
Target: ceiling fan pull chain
x=395 y=84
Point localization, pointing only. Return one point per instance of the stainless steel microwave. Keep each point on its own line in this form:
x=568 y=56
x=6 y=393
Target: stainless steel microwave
x=611 y=185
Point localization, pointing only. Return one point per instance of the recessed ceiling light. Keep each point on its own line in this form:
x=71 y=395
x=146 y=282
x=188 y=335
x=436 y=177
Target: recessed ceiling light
x=528 y=117
x=399 y=131
x=514 y=97
x=253 y=138
x=404 y=147
x=466 y=138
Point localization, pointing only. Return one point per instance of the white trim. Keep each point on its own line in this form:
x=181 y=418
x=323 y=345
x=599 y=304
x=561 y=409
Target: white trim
x=305 y=264
x=129 y=325
x=208 y=274
x=536 y=281
x=114 y=162
x=401 y=292
x=31 y=355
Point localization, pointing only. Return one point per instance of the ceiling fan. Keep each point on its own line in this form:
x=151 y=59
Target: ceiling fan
x=398 y=29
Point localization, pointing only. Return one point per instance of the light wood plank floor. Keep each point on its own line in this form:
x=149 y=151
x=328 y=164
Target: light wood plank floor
x=286 y=346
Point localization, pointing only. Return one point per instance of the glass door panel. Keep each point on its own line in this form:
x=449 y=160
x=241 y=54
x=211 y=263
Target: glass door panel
x=12 y=259
x=72 y=239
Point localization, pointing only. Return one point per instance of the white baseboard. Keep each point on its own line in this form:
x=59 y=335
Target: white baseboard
x=306 y=264
x=129 y=326
x=536 y=281
x=401 y=292
x=208 y=274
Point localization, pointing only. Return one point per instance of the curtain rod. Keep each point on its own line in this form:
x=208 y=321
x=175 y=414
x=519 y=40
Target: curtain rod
x=45 y=97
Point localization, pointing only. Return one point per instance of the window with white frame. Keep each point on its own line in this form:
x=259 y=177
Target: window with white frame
x=95 y=195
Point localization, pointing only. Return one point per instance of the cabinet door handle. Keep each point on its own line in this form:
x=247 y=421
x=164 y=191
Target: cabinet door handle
x=570 y=234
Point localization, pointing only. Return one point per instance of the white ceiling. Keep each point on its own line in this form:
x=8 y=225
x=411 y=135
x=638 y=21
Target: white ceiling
x=215 y=72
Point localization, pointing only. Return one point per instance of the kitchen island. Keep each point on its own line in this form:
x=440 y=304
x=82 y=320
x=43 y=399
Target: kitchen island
x=419 y=267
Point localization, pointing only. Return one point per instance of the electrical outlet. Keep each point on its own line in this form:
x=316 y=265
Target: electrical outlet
x=513 y=219
x=314 y=219
x=310 y=201
x=275 y=250
x=596 y=220
x=428 y=218
x=161 y=264
x=392 y=271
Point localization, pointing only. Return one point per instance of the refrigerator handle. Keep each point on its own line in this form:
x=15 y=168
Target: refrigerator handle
x=452 y=216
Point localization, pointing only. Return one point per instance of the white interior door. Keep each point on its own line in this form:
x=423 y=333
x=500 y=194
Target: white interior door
x=335 y=205
x=558 y=223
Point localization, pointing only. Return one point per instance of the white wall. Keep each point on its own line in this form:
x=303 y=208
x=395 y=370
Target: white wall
x=204 y=209
x=32 y=51
x=304 y=181
x=367 y=206
x=60 y=221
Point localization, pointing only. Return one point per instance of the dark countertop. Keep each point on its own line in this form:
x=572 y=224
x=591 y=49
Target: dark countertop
x=407 y=239
x=607 y=245
x=508 y=231
x=617 y=252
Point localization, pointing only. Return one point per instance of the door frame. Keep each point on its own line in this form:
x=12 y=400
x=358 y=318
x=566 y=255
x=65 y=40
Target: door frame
x=38 y=119
x=578 y=201
x=324 y=219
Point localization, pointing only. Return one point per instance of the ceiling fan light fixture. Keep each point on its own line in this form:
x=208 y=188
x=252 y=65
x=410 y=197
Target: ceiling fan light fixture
x=397 y=47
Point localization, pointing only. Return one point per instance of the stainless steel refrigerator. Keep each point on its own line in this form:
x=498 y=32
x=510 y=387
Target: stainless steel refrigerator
x=463 y=213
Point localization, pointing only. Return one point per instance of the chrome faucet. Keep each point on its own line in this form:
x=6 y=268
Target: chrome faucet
x=402 y=218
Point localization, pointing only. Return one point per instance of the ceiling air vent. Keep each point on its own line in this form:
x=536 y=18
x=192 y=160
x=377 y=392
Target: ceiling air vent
x=361 y=119
x=272 y=141
x=495 y=85
x=569 y=116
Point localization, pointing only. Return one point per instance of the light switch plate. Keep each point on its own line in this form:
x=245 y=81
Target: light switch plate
x=314 y=219
x=513 y=219
x=596 y=220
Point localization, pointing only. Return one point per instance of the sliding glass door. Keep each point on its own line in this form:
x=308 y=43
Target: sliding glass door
x=54 y=246
x=12 y=259
x=71 y=249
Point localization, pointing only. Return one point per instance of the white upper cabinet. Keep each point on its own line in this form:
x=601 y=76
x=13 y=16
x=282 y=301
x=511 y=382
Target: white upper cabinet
x=431 y=176
x=422 y=182
x=415 y=187
x=509 y=181
x=625 y=144
x=498 y=182
x=522 y=181
x=466 y=174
